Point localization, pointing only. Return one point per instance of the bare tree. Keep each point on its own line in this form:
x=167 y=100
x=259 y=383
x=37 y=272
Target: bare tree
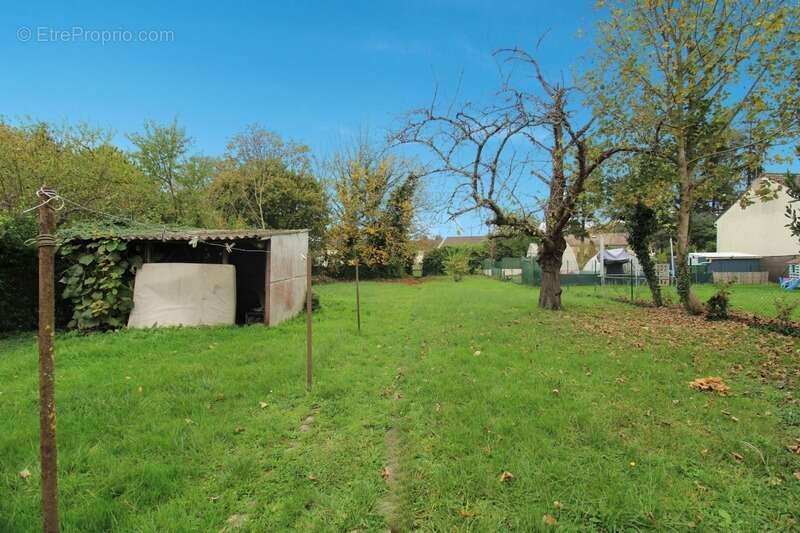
x=496 y=153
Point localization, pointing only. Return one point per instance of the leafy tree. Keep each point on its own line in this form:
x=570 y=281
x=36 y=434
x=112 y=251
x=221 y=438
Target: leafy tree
x=680 y=79
x=266 y=182
x=374 y=199
x=81 y=164
x=162 y=155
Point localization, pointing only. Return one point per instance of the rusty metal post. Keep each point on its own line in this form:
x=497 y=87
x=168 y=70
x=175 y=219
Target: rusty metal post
x=267 y=280
x=358 y=301
x=47 y=403
x=309 y=347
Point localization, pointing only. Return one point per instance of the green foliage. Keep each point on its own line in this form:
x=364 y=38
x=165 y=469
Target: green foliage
x=784 y=310
x=456 y=263
x=98 y=282
x=433 y=264
x=641 y=224
x=717 y=305
x=266 y=182
x=375 y=202
x=18 y=278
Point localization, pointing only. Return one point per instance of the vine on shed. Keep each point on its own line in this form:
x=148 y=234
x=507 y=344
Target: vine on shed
x=98 y=282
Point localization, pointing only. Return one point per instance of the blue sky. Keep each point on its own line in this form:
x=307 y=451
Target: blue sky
x=316 y=72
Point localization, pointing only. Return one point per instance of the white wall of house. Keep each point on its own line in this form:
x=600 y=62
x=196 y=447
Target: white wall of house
x=758 y=229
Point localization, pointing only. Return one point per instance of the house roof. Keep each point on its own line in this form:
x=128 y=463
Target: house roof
x=724 y=255
x=425 y=244
x=463 y=239
x=168 y=233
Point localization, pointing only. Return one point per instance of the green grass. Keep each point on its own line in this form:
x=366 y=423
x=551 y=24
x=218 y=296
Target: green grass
x=163 y=430
x=756 y=299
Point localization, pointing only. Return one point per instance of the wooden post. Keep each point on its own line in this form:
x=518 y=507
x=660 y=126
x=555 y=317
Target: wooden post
x=47 y=403
x=309 y=347
x=267 y=280
x=358 y=301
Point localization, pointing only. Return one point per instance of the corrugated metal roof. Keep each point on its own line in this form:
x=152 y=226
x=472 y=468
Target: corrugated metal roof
x=166 y=234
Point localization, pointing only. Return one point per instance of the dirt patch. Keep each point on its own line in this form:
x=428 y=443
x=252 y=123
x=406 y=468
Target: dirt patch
x=390 y=505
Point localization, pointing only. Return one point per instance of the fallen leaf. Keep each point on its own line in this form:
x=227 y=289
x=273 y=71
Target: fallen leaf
x=239 y=429
x=263 y=405
x=466 y=514
x=797 y=475
x=737 y=456
x=550 y=520
x=556 y=391
x=213 y=498
x=794 y=448
x=558 y=505
x=506 y=476
x=25 y=474
x=712 y=384
x=219 y=396
x=386 y=473
x=312 y=477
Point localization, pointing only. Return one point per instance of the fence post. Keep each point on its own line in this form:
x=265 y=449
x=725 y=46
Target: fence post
x=309 y=347
x=358 y=301
x=47 y=403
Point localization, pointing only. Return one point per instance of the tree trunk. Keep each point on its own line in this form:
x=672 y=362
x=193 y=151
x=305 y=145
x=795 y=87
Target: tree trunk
x=684 y=278
x=551 y=253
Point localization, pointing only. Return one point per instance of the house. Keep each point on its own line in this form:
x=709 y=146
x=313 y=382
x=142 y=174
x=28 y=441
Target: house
x=760 y=228
x=203 y=276
x=580 y=251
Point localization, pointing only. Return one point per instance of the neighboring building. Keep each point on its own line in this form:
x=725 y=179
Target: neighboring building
x=569 y=261
x=463 y=240
x=760 y=228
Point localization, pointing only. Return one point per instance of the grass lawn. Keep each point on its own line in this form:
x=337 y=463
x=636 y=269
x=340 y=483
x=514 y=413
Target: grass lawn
x=412 y=423
x=756 y=299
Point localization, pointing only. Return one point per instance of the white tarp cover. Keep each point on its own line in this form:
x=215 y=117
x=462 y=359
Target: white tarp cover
x=183 y=294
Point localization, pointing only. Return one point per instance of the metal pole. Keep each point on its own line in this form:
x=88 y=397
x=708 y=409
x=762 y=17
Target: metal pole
x=47 y=403
x=309 y=347
x=358 y=301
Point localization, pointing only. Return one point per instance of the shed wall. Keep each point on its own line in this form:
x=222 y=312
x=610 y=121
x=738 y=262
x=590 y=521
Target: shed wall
x=288 y=276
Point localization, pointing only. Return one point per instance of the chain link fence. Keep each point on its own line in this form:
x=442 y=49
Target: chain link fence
x=764 y=299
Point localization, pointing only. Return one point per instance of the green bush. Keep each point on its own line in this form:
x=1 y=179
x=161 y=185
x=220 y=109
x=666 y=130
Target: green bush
x=433 y=264
x=456 y=264
x=717 y=305
x=18 y=274
x=98 y=283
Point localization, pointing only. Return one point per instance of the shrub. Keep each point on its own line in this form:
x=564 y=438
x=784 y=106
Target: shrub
x=98 y=283
x=717 y=305
x=433 y=264
x=18 y=274
x=784 y=311
x=456 y=263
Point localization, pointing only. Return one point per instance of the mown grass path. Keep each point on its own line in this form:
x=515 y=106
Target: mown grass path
x=411 y=424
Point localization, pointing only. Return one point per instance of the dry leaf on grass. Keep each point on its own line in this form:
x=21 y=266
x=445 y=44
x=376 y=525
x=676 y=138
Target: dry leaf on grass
x=25 y=474
x=737 y=456
x=386 y=473
x=262 y=405
x=713 y=384
x=465 y=513
x=794 y=448
x=506 y=476
x=550 y=520
x=797 y=475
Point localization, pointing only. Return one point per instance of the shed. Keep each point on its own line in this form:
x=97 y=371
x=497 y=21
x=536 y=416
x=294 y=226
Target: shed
x=726 y=261
x=194 y=276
